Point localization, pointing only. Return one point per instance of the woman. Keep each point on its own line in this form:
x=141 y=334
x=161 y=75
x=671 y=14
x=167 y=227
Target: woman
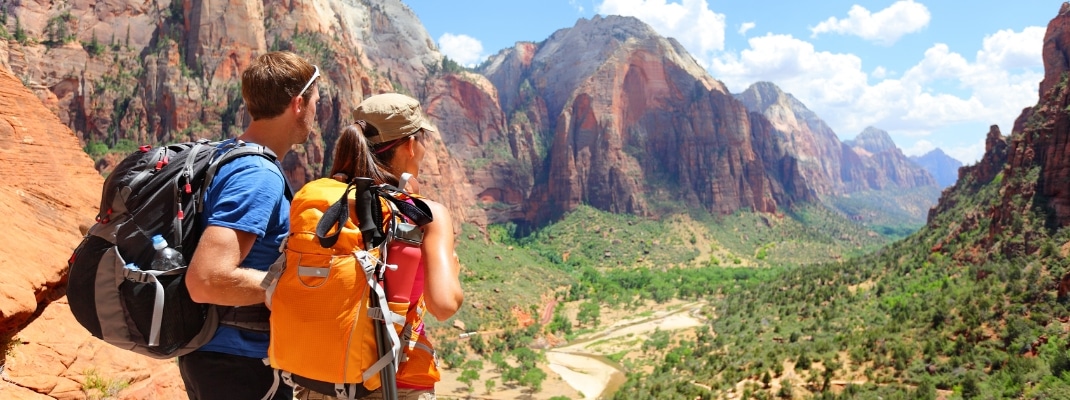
x=386 y=142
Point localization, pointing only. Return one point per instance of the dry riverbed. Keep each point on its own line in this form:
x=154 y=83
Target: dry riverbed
x=580 y=369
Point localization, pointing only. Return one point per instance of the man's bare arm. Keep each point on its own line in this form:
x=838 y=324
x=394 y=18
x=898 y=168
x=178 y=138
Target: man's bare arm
x=215 y=274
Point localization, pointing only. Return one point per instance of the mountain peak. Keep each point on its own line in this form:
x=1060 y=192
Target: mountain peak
x=760 y=95
x=570 y=57
x=936 y=153
x=874 y=140
x=941 y=166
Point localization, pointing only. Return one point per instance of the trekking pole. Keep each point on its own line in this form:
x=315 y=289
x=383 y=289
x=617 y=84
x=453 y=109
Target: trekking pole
x=372 y=238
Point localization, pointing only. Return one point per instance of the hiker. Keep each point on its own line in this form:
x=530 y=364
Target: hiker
x=387 y=141
x=246 y=215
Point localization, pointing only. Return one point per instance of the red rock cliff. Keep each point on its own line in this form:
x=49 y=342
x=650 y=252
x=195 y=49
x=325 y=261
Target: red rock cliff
x=50 y=191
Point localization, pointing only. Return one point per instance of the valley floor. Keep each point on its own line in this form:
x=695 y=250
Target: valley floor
x=581 y=369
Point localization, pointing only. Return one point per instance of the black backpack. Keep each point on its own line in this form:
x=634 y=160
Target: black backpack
x=152 y=191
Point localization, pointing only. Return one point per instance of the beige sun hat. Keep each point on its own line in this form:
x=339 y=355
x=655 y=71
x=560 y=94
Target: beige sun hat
x=395 y=116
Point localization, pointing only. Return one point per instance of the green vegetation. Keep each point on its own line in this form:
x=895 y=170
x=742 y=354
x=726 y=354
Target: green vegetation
x=902 y=211
x=973 y=316
x=3 y=26
x=93 y=47
x=100 y=387
x=59 y=30
x=8 y=343
x=312 y=46
x=20 y=34
x=447 y=66
x=492 y=266
x=597 y=260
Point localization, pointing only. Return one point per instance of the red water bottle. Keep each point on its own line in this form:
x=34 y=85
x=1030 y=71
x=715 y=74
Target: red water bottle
x=404 y=251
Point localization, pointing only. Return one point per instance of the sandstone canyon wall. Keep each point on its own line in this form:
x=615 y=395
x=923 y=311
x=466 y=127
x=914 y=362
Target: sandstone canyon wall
x=49 y=196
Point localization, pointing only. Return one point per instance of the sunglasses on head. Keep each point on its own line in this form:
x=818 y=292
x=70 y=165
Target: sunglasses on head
x=315 y=74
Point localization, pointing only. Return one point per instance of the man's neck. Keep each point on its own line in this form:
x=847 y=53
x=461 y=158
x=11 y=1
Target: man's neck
x=270 y=133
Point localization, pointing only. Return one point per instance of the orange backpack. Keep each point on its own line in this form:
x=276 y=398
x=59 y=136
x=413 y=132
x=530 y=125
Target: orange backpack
x=325 y=296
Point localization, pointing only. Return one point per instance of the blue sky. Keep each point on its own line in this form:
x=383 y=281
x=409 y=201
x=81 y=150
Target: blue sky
x=931 y=73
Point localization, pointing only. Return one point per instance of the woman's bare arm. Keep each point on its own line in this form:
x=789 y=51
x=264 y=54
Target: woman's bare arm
x=442 y=285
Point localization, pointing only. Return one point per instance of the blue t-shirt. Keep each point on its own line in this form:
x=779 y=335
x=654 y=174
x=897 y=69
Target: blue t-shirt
x=248 y=195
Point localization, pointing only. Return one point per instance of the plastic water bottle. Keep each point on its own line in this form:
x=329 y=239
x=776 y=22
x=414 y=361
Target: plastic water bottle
x=166 y=258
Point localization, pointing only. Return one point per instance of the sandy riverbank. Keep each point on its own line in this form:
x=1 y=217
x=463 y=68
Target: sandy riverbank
x=573 y=371
x=591 y=375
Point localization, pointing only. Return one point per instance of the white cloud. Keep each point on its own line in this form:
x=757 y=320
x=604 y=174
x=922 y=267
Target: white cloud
x=880 y=73
x=793 y=64
x=942 y=99
x=1009 y=50
x=991 y=89
x=691 y=22
x=884 y=27
x=968 y=154
x=919 y=148
x=746 y=26
x=463 y=49
x=576 y=4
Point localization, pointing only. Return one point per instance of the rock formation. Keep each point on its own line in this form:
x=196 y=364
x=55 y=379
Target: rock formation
x=1032 y=166
x=881 y=164
x=126 y=73
x=941 y=166
x=49 y=196
x=803 y=135
x=632 y=116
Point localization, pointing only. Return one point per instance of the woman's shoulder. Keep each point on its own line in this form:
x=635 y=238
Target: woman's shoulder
x=435 y=206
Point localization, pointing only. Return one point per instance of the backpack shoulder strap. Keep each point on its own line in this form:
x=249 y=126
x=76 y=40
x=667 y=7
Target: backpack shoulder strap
x=241 y=149
x=409 y=205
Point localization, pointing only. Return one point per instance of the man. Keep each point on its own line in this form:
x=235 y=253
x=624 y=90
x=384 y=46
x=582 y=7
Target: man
x=247 y=215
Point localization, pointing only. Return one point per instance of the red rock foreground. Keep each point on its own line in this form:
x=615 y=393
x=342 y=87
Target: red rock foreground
x=49 y=188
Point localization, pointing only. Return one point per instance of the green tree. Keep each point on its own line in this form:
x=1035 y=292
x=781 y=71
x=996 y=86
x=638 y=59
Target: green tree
x=785 y=389
x=971 y=389
x=560 y=322
x=533 y=379
x=589 y=314
x=20 y=34
x=470 y=373
x=500 y=365
x=804 y=361
x=93 y=46
x=477 y=344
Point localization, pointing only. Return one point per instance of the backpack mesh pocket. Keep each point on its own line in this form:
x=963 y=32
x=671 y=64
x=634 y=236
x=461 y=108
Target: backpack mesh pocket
x=182 y=318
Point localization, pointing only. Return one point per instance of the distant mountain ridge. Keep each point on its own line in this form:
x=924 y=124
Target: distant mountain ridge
x=869 y=162
x=943 y=168
x=867 y=179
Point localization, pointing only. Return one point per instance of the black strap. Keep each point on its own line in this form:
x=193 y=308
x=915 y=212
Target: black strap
x=334 y=219
x=254 y=318
x=233 y=151
x=417 y=210
x=336 y=216
x=369 y=212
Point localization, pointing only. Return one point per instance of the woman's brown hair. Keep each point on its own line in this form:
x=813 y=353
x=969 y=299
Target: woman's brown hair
x=353 y=157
